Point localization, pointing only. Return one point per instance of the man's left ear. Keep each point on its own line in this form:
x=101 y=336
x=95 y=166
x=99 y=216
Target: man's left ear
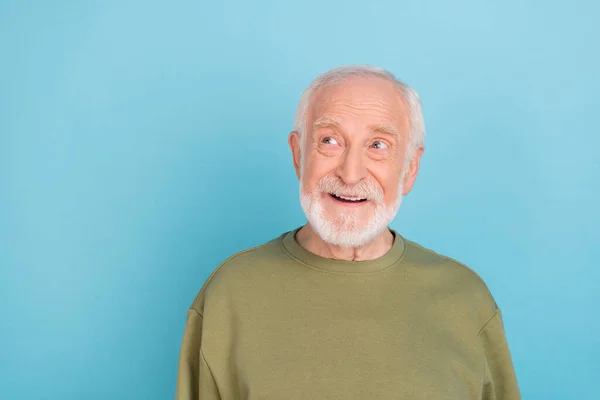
x=410 y=175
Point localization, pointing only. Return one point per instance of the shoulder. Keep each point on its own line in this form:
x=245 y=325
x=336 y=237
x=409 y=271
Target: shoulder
x=239 y=269
x=440 y=264
x=443 y=274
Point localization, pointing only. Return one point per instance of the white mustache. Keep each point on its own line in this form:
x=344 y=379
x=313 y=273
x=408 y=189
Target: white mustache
x=365 y=189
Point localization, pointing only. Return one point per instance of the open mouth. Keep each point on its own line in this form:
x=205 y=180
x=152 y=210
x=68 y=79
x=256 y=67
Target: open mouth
x=344 y=199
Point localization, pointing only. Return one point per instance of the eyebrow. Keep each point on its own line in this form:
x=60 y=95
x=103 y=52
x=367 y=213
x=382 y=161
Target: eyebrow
x=384 y=128
x=377 y=128
x=326 y=123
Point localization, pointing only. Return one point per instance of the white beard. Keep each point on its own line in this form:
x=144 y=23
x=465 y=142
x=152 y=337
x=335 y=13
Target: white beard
x=346 y=229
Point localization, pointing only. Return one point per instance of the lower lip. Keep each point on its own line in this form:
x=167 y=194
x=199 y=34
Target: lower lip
x=348 y=203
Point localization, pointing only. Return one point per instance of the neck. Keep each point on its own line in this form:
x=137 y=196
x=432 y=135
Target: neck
x=311 y=241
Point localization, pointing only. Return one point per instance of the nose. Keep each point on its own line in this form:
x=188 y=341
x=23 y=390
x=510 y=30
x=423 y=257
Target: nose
x=352 y=167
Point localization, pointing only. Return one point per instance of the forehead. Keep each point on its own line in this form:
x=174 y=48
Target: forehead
x=367 y=99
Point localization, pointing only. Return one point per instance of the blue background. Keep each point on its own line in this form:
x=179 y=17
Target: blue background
x=141 y=143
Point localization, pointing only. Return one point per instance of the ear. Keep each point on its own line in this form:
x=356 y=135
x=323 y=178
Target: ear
x=294 y=142
x=410 y=175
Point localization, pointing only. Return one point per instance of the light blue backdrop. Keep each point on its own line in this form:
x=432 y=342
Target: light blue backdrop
x=141 y=143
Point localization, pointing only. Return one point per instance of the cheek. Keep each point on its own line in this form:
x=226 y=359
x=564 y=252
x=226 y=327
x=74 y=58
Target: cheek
x=391 y=194
x=309 y=180
x=314 y=169
x=389 y=183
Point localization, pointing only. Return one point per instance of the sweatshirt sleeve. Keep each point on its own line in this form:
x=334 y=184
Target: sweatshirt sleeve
x=500 y=382
x=194 y=378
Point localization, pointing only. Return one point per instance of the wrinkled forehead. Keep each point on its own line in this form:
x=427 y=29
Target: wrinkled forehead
x=372 y=98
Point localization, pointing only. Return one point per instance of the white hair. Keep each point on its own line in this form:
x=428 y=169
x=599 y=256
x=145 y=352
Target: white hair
x=337 y=75
x=346 y=229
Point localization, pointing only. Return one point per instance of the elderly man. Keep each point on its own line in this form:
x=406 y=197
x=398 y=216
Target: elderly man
x=344 y=307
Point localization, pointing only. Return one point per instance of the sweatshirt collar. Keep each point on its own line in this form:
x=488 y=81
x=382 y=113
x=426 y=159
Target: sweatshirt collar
x=296 y=251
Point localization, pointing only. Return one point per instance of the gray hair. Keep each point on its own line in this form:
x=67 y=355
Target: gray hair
x=336 y=75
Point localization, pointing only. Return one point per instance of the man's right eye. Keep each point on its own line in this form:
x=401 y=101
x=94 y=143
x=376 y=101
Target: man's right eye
x=329 y=140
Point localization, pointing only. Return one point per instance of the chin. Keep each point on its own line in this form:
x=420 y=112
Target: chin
x=344 y=237
x=346 y=230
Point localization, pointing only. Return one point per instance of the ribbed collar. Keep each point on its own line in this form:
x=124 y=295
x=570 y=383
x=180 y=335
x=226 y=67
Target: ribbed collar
x=393 y=256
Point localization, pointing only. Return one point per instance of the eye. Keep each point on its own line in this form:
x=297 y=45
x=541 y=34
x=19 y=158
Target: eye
x=378 y=144
x=329 y=140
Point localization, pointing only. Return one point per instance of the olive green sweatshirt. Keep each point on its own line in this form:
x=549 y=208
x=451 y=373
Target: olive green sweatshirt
x=279 y=322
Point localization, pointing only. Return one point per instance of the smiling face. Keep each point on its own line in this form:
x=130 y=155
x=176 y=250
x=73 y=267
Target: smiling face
x=350 y=169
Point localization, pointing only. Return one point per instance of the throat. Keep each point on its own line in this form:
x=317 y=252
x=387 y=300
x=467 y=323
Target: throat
x=311 y=241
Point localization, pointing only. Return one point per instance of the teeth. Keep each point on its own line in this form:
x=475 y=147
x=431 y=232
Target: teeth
x=350 y=199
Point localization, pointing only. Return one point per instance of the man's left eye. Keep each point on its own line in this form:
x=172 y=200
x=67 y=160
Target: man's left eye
x=379 y=145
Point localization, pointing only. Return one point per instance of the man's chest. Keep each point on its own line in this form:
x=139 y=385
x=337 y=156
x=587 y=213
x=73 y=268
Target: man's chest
x=356 y=354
